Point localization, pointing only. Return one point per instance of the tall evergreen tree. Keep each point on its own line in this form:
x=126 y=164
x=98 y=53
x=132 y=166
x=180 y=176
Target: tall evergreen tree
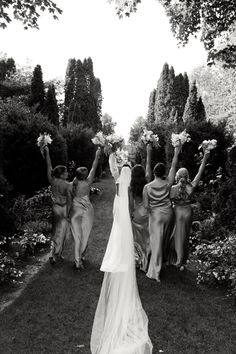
x=201 y=112
x=37 y=93
x=161 y=112
x=51 y=107
x=151 y=109
x=69 y=86
x=190 y=112
x=165 y=95
x=71 y=111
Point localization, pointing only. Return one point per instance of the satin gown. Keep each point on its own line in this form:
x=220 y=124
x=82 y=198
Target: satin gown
x=140 y=224
x=60 y=222
x=179 y=242
x=156 y=197
x=82 y=215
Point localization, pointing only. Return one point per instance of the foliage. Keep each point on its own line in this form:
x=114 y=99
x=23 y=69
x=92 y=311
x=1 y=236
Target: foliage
x=217 y=88
x=7 y=67
x=217 y=263
x=79 y=146
x=23 y=165
x=151 y=109
x=27 y=12
x=26 y=244
x=194 y=109
x=50 y=107
x=108 y=126
x=137 y=129
x=214 y=19
x=83 y=96
x=8 y=269
x=37 y=92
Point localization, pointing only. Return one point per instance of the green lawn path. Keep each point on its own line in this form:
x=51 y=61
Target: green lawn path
x=54 y=314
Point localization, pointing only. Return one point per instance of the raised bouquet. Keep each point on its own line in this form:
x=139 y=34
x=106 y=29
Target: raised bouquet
x=180 y=138
x=149 y=138
x=122 y=157
x=208 y=145
x=42 y=141
x=113 y=143
x=99 y=139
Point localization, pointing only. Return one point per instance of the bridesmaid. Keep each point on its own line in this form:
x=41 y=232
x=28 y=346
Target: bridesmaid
x=139 y=214
x=81 y=213
x=60 y=203
x=157 y=200
x=181 y=195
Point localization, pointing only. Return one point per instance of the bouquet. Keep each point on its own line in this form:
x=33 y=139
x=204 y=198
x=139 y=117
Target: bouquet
x=149 y=138
x=208 y=145
x=42 y=141
x=99 y=139
x=113 y=143
x=122 y=157
x=180 y=138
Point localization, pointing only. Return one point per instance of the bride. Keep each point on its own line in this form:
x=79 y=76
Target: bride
x=120 y=324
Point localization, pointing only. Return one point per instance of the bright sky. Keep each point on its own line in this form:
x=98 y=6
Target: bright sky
x=128 y=54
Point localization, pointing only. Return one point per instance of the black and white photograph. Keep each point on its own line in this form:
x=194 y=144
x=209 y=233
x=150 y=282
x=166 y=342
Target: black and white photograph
x=118 y=176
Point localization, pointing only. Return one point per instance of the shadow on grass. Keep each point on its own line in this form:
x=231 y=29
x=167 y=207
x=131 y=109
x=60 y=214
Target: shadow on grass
x=54 y=314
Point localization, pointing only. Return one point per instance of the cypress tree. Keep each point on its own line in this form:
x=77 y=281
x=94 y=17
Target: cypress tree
x=201 y=112
x=151 y=109
x=161 y=112
x=190 y=112
x=51 y=107
x=71 y=111
x=37 y=94
x=69 y=87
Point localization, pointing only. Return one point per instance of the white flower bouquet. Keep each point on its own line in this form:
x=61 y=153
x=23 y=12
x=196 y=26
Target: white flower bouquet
x=99 y=139
x=208 y=145
x=180 y=138
x=113 y=143
x=149 y=138
x=122 y=157
x=42 y=141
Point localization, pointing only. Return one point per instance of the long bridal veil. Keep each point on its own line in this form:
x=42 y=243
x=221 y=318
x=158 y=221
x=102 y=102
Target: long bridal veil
x=120 y=324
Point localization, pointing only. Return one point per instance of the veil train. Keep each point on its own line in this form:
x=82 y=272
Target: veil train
x=120 y=324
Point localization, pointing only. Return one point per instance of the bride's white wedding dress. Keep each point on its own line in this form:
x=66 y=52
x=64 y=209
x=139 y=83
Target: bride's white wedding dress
x=120 y=324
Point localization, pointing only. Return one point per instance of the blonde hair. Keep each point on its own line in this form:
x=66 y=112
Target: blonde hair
x=182 y=178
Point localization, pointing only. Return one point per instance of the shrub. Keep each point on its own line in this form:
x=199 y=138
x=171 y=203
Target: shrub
x=8 y=270
x=23 y=164
x=27 y=243
x=80 y=149
x=217 y=262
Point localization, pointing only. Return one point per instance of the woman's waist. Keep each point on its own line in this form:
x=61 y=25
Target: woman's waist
x=84 y=200
x=60 y=200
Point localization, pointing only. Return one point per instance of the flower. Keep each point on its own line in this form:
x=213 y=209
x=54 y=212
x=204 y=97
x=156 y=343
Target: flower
x=43 y=140
x=99 y=139
x=208 y=145
x=149 y=138
x=180 y=138
x=113 y=142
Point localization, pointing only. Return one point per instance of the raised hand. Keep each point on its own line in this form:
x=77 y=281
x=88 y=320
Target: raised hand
x=98 y=153
x=149 y=148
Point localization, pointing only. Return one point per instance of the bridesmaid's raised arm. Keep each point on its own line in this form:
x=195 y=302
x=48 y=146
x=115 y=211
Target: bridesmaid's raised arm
x=171 y=175
x=148 y=163
x=145 y=198
x=92 y=172
x=113 y=166
x=201 y=169
x=49 y=164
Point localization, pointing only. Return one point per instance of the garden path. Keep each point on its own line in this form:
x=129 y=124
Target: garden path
x=54 y=313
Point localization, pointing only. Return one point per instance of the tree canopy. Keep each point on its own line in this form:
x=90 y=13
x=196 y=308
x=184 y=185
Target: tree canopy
x=27 y=12
x=214 y=19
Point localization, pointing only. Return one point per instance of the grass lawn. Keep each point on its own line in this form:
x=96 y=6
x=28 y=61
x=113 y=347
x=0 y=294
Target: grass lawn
x=54 y=314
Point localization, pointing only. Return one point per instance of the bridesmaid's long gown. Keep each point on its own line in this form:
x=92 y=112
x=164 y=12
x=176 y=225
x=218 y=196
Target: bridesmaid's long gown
x=141 y=234
x=160 y=225
x=179 y=241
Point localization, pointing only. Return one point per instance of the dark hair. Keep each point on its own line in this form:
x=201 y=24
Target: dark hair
x=81 y=173
x=159 y=170
x=58 y=171
x=126 y=165
x=138 y=180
